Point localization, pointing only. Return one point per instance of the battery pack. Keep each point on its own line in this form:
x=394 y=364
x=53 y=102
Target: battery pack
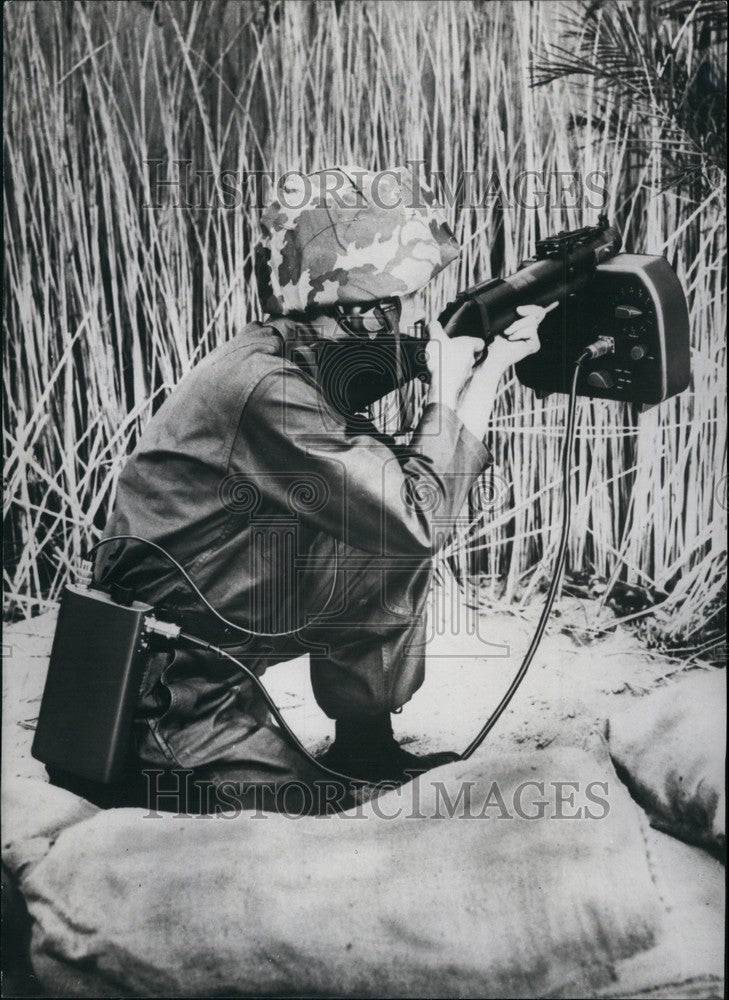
x=94 y=676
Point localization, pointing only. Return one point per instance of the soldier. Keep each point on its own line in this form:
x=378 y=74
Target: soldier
x=302 y=524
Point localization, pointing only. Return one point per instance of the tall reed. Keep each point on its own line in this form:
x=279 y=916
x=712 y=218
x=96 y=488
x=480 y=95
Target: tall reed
x=108 y=302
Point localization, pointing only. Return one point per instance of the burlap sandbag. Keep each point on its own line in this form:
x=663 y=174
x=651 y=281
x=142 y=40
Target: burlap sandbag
x=424 y=904
x=34 y=815
x=687 y=962
x=670 y=748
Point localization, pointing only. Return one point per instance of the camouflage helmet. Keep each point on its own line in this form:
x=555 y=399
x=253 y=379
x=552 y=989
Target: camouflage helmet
x=348 y=236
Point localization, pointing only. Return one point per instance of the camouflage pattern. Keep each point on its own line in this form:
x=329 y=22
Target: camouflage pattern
x=357 y=237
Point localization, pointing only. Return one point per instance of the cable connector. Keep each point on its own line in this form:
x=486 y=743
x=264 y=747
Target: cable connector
x=599 y=348
x=168 y=630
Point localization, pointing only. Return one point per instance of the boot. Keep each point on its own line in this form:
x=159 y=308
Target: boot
x=367 y=749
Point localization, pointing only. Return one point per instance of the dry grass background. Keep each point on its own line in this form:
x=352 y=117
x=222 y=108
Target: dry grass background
x=108 y=303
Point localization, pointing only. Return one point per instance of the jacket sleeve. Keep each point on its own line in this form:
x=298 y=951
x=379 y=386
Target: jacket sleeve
x=300 y=454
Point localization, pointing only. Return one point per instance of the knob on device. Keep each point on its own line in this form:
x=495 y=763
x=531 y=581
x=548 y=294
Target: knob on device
x=627 y=312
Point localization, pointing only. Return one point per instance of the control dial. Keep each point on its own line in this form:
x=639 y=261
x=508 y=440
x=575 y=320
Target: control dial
x=627 y=312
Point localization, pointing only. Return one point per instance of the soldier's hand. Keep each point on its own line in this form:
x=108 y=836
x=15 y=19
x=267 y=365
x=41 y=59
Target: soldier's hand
x=517 y=341
x=450 y=363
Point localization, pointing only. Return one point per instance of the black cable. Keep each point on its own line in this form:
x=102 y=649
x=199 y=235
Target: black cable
x=567 y=451
x=203 y=599
x=276 y=712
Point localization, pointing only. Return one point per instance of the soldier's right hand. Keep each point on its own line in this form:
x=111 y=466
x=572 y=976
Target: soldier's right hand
x=450 y=363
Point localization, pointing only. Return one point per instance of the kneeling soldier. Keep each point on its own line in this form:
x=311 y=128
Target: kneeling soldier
x=301 y=523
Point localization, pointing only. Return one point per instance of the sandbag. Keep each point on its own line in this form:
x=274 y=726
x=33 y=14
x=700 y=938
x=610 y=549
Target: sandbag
x=670 y=747
x=445 y=888
x=34 y=814
x=687 y=962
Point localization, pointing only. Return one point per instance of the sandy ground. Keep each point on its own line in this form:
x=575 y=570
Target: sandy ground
x=574 y=684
